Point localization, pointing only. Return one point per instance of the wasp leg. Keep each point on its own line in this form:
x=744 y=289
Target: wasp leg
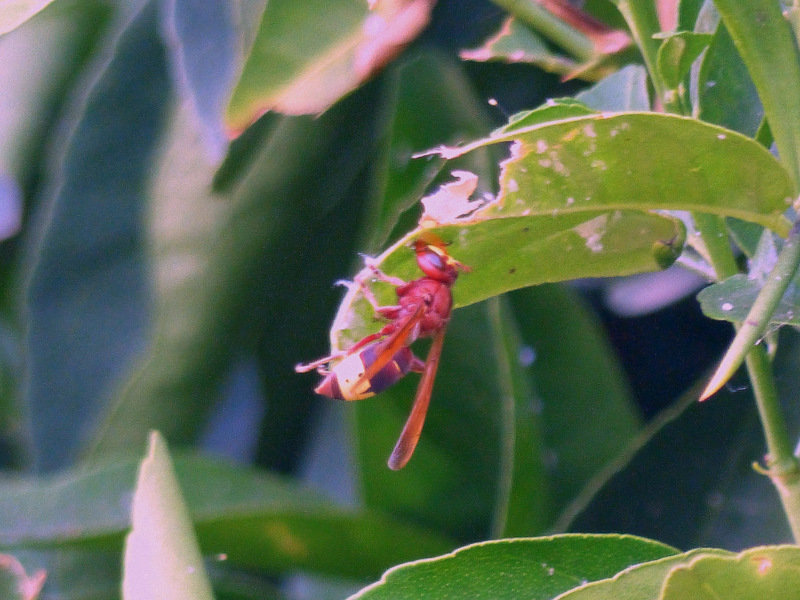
x=369 y=262
x=317 y=364
x=387 y=312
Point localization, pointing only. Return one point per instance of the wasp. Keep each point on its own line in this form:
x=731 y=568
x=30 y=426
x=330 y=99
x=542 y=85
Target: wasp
x=381 y=359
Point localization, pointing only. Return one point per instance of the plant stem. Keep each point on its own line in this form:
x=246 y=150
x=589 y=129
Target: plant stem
x=782 y=466
x=748 y=32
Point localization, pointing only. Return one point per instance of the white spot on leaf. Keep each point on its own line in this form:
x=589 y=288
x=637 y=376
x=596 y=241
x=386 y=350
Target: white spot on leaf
x=592 y=232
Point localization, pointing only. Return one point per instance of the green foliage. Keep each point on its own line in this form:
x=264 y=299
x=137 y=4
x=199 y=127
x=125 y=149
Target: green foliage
x=181 y=184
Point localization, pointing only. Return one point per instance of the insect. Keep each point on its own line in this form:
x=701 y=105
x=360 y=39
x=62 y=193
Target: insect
x=381 y=359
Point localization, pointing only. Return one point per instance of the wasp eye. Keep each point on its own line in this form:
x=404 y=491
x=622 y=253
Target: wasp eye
x=430 y=261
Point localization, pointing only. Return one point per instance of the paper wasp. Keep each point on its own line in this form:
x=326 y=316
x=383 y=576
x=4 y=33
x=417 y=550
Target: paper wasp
x=381 y=359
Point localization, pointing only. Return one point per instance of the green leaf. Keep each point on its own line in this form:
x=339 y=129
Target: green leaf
x=583 y=391
x=255 y=519
x=162 y=557
x=757 y=573
x=203 y=48
x=624 y=90
x=86 y=293
x=209 y=297
x=590 y=160
x=677 y=53
x=15 y=583
x=638 y=582
x=549 y=214
x=536 y=250
x=731 y=300
x=726 y=94
x=522 y=568
x=523 y=498
x=17 y=12
x=307 y=55
x=514 y=42
x=765 y=41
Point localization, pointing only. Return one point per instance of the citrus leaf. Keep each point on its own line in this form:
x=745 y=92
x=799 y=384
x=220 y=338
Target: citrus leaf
x=731 y=300
x=161 y=553
x=756 y=573
x=86 y=293
x=16 y=13
x=257 y=520
x=638 y=582
x=534 y=568
x=514 y=42
x=307 y=55
x=202 y=48
x=573 y=202
x=677 y=53
x=596 y=162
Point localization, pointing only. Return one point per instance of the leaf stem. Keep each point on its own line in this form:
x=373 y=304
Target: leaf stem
x=782 y=465
x=750 y=25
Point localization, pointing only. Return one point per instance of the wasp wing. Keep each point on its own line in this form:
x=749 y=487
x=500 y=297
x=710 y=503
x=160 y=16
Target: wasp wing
x=392 y=345
x=416 y=419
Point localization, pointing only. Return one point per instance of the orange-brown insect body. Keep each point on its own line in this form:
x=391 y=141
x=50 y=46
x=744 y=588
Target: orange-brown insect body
x=383 y=358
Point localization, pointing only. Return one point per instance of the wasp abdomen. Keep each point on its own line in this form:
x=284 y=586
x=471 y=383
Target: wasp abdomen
x=345 y=381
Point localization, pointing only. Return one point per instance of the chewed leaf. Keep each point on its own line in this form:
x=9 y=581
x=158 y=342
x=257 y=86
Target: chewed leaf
x=578 y=197
x=452 y=201
x=307 y=55
x=643 y=161
x=507 y=253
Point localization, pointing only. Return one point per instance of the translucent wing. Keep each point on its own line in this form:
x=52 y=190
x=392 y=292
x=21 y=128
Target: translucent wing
x=392 y=345
x=413 y=428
